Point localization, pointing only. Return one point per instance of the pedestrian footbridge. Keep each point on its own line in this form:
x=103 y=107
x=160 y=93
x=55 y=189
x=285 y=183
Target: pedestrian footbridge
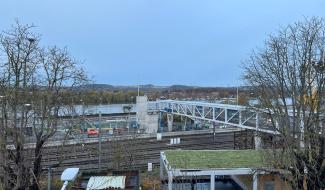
x=228 y=115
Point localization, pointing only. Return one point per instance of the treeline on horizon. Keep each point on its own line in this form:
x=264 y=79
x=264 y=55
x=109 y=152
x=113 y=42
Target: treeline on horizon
x=128 y=95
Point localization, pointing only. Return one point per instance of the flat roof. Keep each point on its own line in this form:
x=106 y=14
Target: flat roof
x=212 y=159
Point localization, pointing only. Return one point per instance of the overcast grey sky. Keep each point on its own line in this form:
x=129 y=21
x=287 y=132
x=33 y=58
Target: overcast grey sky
x=161 y=42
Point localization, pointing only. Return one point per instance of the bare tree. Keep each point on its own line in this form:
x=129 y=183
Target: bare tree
x=124 y=151
x=287 y=76
x=32 y=82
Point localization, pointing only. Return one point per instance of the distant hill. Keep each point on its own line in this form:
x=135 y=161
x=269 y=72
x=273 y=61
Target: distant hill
x=147 y=88
x=95 y=86
x=182 y=87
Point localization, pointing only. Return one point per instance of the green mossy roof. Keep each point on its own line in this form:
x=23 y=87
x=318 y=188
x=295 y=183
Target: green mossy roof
x=204 y=159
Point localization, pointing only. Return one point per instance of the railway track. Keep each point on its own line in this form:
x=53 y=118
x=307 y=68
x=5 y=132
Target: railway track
x=135 y=153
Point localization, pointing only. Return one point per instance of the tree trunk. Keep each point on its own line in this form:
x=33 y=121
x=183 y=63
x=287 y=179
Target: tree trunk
x=37 y=169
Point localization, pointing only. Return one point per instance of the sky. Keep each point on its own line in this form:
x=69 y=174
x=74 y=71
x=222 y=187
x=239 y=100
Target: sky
x=160 y=42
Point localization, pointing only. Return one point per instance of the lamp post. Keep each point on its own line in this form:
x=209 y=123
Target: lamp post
x=1 y=99
x=28 y=107
x=83 y=115
x=237 y=97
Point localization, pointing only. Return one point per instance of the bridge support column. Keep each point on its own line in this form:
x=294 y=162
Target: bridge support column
x=170 y=180
x=212 y=181
x=255 y=181
x=214 y=132
x=184 y=126
x=257 y=141
x=161 y=169
x=170 y=119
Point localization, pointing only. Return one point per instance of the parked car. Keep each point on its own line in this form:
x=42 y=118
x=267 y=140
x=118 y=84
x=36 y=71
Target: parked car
x=91 y=132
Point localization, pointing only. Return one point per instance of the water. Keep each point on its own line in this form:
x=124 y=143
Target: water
x=104 y=109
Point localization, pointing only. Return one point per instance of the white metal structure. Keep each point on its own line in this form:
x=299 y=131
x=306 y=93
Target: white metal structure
x=232 y=115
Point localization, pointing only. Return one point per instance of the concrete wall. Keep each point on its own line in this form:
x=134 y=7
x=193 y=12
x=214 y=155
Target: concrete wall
x=142 y=110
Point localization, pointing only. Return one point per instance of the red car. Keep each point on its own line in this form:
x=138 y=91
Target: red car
x=91 y=132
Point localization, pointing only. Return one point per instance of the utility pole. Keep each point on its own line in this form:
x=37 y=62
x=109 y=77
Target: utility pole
x=49 y=177
x=99 y=140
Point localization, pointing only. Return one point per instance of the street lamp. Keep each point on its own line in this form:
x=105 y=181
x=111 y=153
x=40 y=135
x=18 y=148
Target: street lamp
x=69 y=175
x=27 y=105
x=28 y=130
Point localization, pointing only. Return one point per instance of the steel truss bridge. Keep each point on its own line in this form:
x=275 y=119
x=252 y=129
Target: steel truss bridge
x=233 y=115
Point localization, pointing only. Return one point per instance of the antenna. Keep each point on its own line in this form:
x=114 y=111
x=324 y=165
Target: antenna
x=138 y=90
